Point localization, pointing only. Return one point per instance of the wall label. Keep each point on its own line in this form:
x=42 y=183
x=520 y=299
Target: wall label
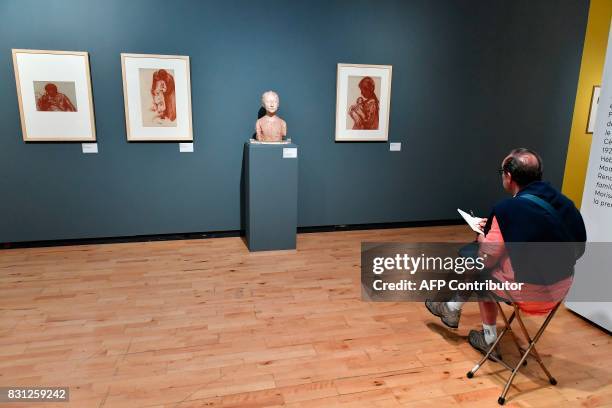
x=89 y=148
x=289 y=152
x=186 y=147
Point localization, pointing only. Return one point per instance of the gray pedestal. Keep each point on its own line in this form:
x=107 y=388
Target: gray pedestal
x=270 y=196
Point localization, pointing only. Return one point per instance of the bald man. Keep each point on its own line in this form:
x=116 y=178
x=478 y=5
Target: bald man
x=537 y=212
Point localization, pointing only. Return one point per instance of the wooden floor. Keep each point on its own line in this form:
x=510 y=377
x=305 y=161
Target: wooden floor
x=205 y=323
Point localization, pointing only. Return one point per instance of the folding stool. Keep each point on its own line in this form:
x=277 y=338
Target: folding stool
x=524 y=353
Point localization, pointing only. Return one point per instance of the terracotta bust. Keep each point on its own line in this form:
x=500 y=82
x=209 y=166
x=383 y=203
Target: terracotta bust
x=270 y=128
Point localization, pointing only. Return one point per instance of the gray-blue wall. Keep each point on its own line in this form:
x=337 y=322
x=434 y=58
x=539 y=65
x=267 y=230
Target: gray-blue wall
x=471 y=79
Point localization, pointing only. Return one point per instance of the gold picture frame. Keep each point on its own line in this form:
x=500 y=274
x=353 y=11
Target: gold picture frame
x=46 y=111
x=363 y=102
x=160 y=113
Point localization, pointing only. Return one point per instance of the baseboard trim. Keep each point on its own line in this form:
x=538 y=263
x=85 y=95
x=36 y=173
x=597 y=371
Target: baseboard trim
x=384 y=225
x=220 y=234
x=588 y=321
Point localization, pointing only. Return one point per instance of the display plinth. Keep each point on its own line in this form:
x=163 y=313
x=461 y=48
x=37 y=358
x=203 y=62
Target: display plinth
x=270 y=196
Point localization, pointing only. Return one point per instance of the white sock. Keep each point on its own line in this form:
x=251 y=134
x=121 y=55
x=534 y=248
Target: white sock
x=490 y=332
x=454 y=306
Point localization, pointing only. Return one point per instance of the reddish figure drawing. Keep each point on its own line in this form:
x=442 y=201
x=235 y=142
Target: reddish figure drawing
x=50 y=99
x=365 y=111
x=158 y=97
x=162 y=90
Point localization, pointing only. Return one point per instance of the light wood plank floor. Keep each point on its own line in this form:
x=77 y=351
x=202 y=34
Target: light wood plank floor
x=205 y=323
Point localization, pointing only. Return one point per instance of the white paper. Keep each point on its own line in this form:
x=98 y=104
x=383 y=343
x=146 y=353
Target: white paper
x=395 y=147
x=186 y=147
x=182 y=130
x=289 y=152
x=473 y=222
x=89 y=147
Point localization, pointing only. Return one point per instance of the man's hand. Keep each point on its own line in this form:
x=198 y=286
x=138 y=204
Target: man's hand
x=482 y=223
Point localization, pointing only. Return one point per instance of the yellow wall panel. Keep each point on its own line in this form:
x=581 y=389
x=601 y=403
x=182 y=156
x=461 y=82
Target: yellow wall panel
x=591 y=70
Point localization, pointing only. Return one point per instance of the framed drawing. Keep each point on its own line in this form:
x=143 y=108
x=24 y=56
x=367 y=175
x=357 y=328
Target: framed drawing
x=157 y=97
x=363 y=98
x=593 y=109
x=54 y=94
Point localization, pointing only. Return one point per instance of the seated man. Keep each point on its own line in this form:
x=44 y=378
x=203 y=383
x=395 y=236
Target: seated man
x=519 y=220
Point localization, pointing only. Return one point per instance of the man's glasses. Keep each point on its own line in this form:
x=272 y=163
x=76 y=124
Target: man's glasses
x=500 y=171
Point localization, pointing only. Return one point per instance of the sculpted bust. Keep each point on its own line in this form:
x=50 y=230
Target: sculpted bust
x=270 y=128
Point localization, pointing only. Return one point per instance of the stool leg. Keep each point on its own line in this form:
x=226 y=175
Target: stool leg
x=471 y=373
x=532 y=343
x=508 y=323
x=534 y=352
x=502 y=397
x=551 y=379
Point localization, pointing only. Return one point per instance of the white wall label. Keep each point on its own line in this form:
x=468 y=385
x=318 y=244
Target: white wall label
x=395 y=147
x=89 y=147
x=289 y=152
x=597 y=198
x=186 y=147
x=596 y=206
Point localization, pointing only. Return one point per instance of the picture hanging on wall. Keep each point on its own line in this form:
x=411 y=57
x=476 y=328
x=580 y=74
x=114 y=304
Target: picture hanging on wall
x=363 y=98
x=157 y=97
x=593 y=109
x=54 y=94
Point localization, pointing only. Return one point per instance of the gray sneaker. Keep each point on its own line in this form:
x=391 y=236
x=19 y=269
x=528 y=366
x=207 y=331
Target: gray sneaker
x=477 y=340
x=440 y=309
